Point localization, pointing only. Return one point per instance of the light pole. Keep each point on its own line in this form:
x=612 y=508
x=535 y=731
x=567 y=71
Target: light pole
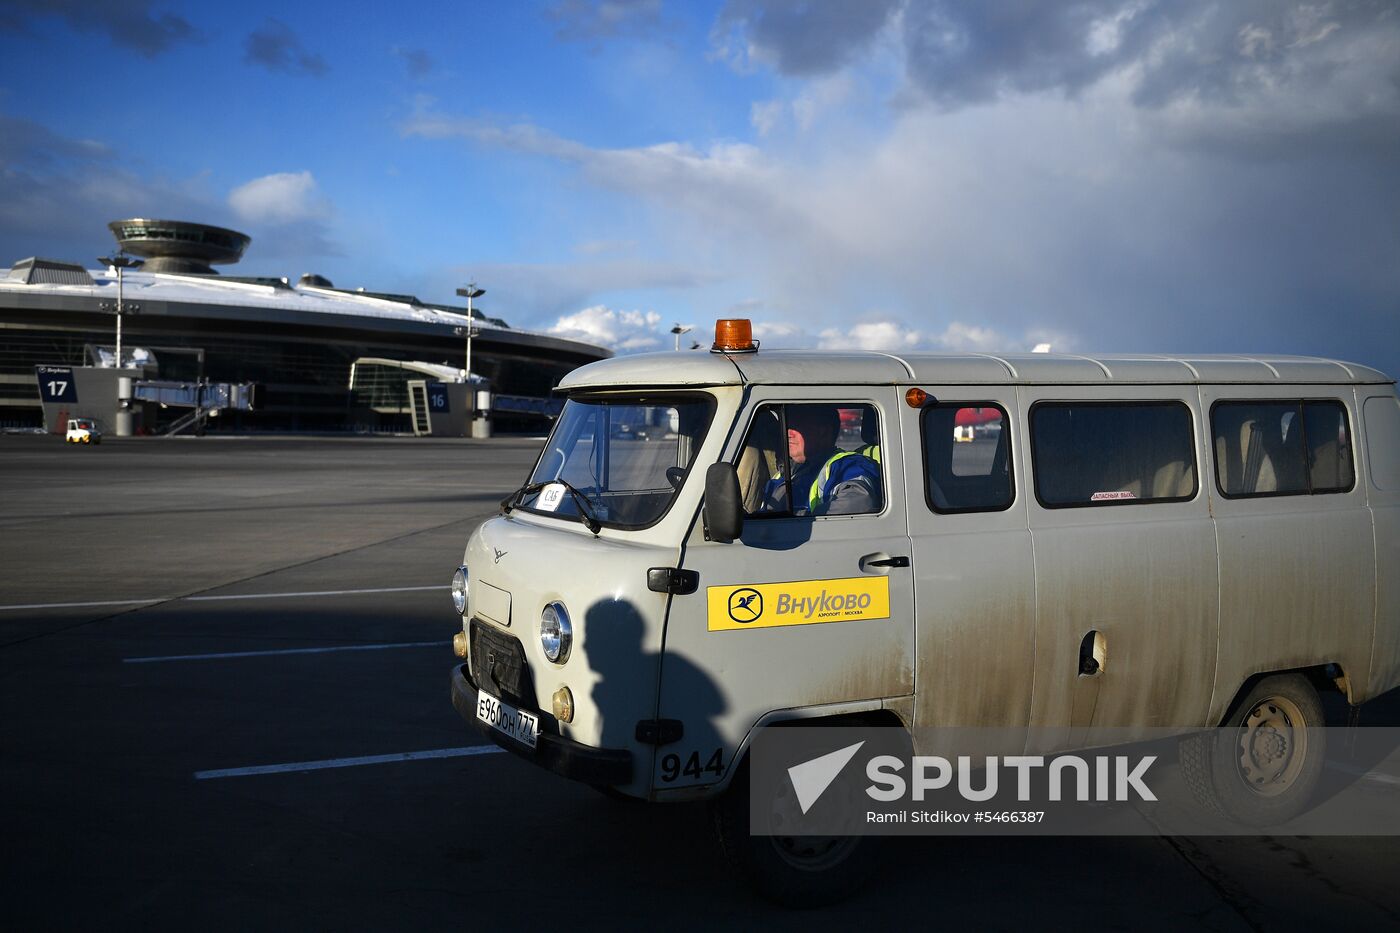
x=470 y=292
x=119 y=262
x=678 y=330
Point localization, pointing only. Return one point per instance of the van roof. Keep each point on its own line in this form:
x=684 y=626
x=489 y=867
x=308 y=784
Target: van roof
x=808 y=367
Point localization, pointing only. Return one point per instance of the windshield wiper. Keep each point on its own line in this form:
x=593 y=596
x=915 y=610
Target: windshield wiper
x=585 y=507
x=512 y=500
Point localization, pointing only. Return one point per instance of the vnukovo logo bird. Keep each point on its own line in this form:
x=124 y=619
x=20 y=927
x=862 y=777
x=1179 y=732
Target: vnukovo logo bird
x=745 y=605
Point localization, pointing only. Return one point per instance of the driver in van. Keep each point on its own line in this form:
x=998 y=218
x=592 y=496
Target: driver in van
x=826 y=480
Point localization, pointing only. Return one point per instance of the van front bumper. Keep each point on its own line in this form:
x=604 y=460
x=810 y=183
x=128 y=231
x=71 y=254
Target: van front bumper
x=608 y=767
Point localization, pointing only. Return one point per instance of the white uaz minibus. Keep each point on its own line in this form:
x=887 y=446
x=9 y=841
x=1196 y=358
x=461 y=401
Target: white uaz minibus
x=712 y=543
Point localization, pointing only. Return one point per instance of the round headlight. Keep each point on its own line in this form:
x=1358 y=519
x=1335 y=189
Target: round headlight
x=556 y=632
x=459 y=589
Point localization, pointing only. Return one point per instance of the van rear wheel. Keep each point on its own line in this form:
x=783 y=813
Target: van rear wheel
x=796 y=871
x=1262 y=766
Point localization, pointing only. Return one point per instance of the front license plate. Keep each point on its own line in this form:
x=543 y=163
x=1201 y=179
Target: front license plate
x=516 y=723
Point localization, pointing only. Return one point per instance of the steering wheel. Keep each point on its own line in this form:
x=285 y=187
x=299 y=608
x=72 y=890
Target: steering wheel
x=675 y=476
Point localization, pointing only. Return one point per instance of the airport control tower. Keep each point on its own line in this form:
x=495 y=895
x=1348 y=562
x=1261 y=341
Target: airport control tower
x=179 y=246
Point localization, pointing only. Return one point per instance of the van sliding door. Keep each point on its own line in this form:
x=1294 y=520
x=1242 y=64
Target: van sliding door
x=1125 y=561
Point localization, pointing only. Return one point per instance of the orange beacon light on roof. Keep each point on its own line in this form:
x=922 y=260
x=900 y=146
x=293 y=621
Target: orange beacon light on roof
x=733 y=335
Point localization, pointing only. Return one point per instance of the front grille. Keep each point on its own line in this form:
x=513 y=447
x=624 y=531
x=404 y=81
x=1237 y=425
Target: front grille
x=498 y=665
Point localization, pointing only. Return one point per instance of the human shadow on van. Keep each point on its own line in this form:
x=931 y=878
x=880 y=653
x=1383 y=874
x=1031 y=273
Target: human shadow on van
x=630 y=679
x=778 y=533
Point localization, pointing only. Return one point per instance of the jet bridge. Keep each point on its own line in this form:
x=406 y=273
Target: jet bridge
x=204 y=399
x=98 y=392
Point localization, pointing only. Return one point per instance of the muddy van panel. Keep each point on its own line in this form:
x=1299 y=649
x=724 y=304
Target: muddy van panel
x=1380 y=429
x=1297 y=570
x=1124 y=558
x=784 y=618
x=973 y=565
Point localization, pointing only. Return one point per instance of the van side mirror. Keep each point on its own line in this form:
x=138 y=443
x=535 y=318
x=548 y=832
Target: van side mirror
x=724 y=507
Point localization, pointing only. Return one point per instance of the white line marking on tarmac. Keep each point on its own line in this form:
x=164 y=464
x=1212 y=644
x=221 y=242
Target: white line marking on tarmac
x=348 y=762
x=108 y=602
x=263 y=654
x=203 y=599
x=382 y=589
x=1374 y=777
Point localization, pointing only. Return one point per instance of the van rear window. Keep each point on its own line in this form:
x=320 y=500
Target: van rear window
x=1286 y=447
x=1112 y=453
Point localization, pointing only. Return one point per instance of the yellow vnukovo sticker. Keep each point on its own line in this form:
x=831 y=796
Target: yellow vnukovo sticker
x=803 y=602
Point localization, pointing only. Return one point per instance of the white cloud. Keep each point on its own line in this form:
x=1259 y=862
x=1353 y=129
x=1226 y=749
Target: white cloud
x=765 y=115
x=892 y=335
x=706 y=180
x=804 y=109
x=1123 y=213
x=281 y=198
x=881 y=336
x=1255 y=41
x=960 y=336
x=782 y=335
x=536 y=295
x=622 y=331
x=603 y=247
x=1106 y=33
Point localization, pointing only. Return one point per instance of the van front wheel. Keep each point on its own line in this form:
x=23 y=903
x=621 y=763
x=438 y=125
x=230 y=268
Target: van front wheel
x=795 y=871
x=1262 y=766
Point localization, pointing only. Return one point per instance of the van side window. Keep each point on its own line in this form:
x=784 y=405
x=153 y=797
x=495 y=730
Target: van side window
x=812 y=459
x=1292 y=447
x=967 y=457
x=1112 y=453
x=1383 y=440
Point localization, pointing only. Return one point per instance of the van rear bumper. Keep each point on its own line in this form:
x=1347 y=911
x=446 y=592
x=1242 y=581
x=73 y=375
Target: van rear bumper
x=607 y=767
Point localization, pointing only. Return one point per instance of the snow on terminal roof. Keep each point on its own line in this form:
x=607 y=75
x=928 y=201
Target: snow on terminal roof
x=140 y=286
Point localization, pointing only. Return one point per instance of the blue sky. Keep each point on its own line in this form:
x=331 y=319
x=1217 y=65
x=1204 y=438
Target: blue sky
x=1105 y=175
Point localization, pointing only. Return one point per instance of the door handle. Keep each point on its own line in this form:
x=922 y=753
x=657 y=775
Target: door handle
x=882 y=561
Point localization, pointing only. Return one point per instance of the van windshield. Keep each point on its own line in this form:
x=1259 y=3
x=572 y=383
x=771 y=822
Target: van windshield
x=625 y=456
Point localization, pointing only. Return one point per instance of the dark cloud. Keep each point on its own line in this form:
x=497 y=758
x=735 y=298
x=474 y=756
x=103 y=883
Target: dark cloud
x=1225 y=53
x=591 y=20
x=963 y=52
x=24 y=143
x=803 y=37
x=274 y=46
x=418 y=62
x=968 y=53
x=57 y=194
x=128 y=23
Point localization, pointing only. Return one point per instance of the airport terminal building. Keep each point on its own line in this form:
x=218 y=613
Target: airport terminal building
x=299 y=341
